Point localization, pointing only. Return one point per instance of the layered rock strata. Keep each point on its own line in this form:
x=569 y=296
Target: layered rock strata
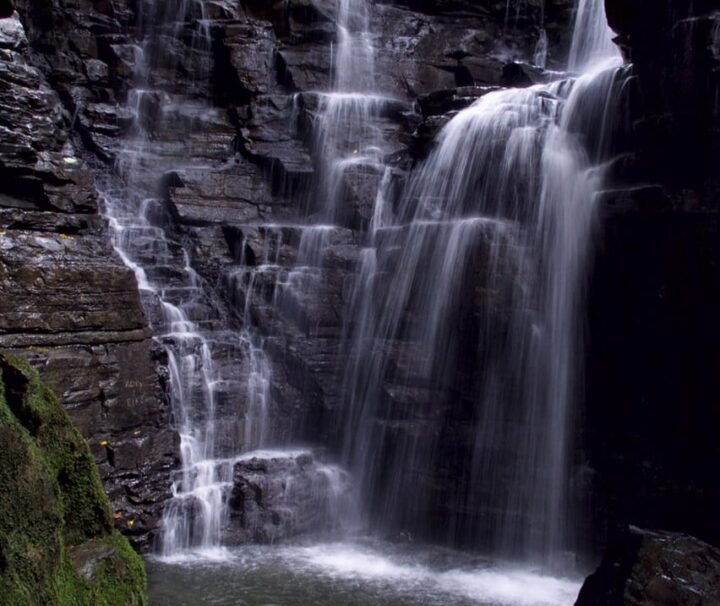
x=231 y=123
x=68 y=302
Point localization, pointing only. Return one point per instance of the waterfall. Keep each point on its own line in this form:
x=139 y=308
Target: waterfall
x=187 y=322
x=354 y=62
x=347 y=136
x=473 y=295
x=464 y=320
x=592 y=38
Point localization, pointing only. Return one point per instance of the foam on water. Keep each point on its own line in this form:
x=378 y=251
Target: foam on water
x=209 y=555
x=416 y=576
x=267 y=453
x=347 y=561
x=511 y=587
x=506 y=586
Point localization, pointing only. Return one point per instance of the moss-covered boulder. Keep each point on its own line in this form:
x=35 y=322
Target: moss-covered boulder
x=57 y=542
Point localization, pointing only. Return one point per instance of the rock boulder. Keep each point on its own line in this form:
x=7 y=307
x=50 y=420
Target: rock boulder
x=647 y=568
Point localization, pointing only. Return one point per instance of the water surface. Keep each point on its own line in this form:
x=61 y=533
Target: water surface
x=360 y=573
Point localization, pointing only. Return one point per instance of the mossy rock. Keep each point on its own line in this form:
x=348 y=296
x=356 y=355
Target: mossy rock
x=57 y=542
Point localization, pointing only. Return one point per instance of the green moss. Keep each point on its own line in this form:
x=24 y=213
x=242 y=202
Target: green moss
x=57 y=544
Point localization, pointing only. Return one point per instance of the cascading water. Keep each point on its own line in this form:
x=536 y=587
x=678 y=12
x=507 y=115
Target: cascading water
x=592 y=39
x=463 y=323
x=354 y=60
x=466 y=304
x=347 y=131
x=186 y=321
x=484 y=267
x=219 y=376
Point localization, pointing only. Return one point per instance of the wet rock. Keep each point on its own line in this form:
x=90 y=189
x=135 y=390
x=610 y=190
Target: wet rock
x=124 y=59
x=71 y=306
x=278 y=496
x=654 y=287
x=645 y=568
x=30 y=113
x=362 y=183
x=97 y=71
x=305 y=67
x=270 y=129
x=424 y=136
x=12 y=33
x=310 y=11
x=220 y=109
x=672 y=107
x=444 y=101
x=251 y=48
x=444 y=46
x=46 y=290
x=520 y=74
x=238 y=194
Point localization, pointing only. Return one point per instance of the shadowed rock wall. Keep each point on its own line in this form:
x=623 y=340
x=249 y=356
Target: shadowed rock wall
x=653 y=392
x=644 y=567
x=71 y=305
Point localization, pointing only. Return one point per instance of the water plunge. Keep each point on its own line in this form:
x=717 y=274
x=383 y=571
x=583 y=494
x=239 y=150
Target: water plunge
x=331 y=574
x=472 y=296
x=465 y=315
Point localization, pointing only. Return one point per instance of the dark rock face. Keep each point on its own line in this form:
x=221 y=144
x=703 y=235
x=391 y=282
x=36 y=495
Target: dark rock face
x=68 y=302
x=7 y=8
x=673 y=108
x=249 y=103
x=651 y=401
x=652 y=380
x=645 y=568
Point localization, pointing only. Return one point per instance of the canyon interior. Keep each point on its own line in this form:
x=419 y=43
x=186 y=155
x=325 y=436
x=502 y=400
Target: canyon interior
x=416 y=296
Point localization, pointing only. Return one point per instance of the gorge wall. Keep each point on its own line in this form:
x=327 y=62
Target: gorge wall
x=69 y=304
x=248 y=101
x=652 y=381
x=78 y=316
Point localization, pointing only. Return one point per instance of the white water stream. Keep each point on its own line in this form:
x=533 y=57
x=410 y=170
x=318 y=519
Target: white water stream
x=505 y=203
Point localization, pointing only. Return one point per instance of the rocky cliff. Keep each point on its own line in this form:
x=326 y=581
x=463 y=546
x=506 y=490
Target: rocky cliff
x=69 y=303
x=643 y=567
x=653 y=382
x=236 y=111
